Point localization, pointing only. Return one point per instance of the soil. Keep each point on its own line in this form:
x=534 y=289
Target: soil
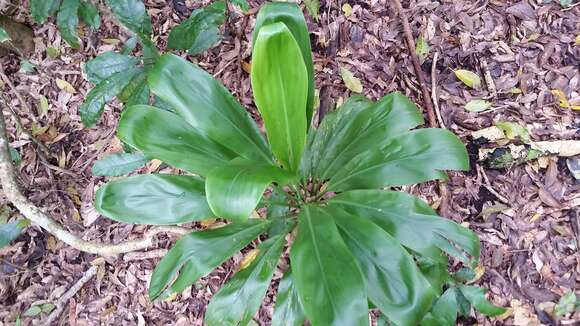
x=529 y=233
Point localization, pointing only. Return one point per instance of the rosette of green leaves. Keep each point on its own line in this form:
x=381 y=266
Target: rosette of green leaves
x=355 y=242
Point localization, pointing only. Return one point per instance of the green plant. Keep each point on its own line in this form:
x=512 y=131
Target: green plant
x=351 y=242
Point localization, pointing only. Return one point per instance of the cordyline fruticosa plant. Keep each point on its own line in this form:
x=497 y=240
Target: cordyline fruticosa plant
x=353 y=244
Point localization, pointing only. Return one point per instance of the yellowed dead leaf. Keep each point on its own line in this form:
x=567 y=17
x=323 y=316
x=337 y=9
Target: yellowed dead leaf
x=65 y=86
x=492 y=133
x=347 y=10
x=577 y=40
x=479 y=271
x=469 y=78
x=350 y=80
x=523 y=316
x=561 y=98
x=206 y=224
x=564 y=148
x=249 y=258
x=42 y=106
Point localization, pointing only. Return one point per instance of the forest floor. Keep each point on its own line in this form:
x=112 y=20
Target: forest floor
x=526 y=214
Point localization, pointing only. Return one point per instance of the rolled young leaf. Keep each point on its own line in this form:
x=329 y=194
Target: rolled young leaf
x=288 y=310
x=193 y=250
x=329 y=281
x=163 y=135
x=393 y=281
x=67 y=21
x=291 y=15
x=154 y=199
x=413 y=157
x=234 y=190
x=239 y=300
x=280 y=86
x=208 y=106
x=412 y=222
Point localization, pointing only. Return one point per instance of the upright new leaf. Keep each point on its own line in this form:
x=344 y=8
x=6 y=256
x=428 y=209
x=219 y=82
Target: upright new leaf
x=393 y=282
x=107 y=64
x=41 y=9
x=288 y=310
x=89 y=14
x=207 y=106
x=67 y=21
x=291 y=15
x=200 y=31
x=239 y=300
x=154 y=199
x=133 y=15
x=163 y=135
x=326 y=275
x=234 y=190
x=280 y=86
x=189 y=259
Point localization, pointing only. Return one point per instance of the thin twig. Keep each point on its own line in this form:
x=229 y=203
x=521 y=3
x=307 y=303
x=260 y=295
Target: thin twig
x=488 y=186
x=434 y=89
x=62 y=301
x=23 y=102
x=416 y=64
x=37 y=216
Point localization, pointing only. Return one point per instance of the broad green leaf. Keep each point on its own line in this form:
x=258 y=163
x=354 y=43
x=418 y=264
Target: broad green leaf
x=444 y=312
x=278 y=210
x=435 y=271
x=33 y=311
x=108 y=64
x=10 y=231
x=198 y=253
x=234 y=190
x=280 y=86
x=243 y=4
x=41 y=9
x=476 y=296
x=329 y=281
x=291 y=15
x=393 y=281
x=350 y=81
x=412 y=222
x=288 y=310
x=469 y=78
x=165 y=136
x=15 y=156
x=422 y=49
x=136 y=92
x=200 y=31
x=92 y=108
x=129 y=45
x=477 y=105
x=239 y=300
x=356 y=126
x=207 y=106
x=567 y=304
x=313 y=6
x=67 y=21
x=119 y=164
x=26 y=67
x=89 y=14
x=413 y=157
x=4 y=35
x=133 y=15
x=154 y=199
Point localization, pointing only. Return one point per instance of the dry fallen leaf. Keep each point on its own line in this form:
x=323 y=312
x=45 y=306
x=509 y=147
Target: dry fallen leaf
x=347 y=10
x=249 y=258
x=563 y=101
x=477 y=105
x=469 y=78
x=350 y=80
x=65 y=86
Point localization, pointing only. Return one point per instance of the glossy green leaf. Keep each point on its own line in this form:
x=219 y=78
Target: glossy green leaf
x=41 y=9
x=444 y=312
x=136 y=92
x=280 y=86
x=243 y=4
x=412 y=222
x=67 y=21
x=92 y=108
x=329 y=281
x=277 y=211
x=115 y=165
x=239 y=300
x=291 y=15
x=200 y=31
x=357 y=126
x=288 y=310
x=89 y=14
x=154 y=199
x=189 y=259
x=4 y=35
x=133 y=15
x=435 y=271
x=413 y=157
x=10 y=231
x=234 y=190
x=207 y=106
x=393 y=282
x=476 y=296
x=108 y=64
x=165 y=136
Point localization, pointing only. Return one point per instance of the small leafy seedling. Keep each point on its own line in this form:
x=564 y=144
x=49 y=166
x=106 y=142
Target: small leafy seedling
x=353 y=242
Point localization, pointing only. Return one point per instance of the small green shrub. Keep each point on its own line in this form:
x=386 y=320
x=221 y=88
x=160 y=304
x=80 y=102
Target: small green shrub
x=352 y=244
